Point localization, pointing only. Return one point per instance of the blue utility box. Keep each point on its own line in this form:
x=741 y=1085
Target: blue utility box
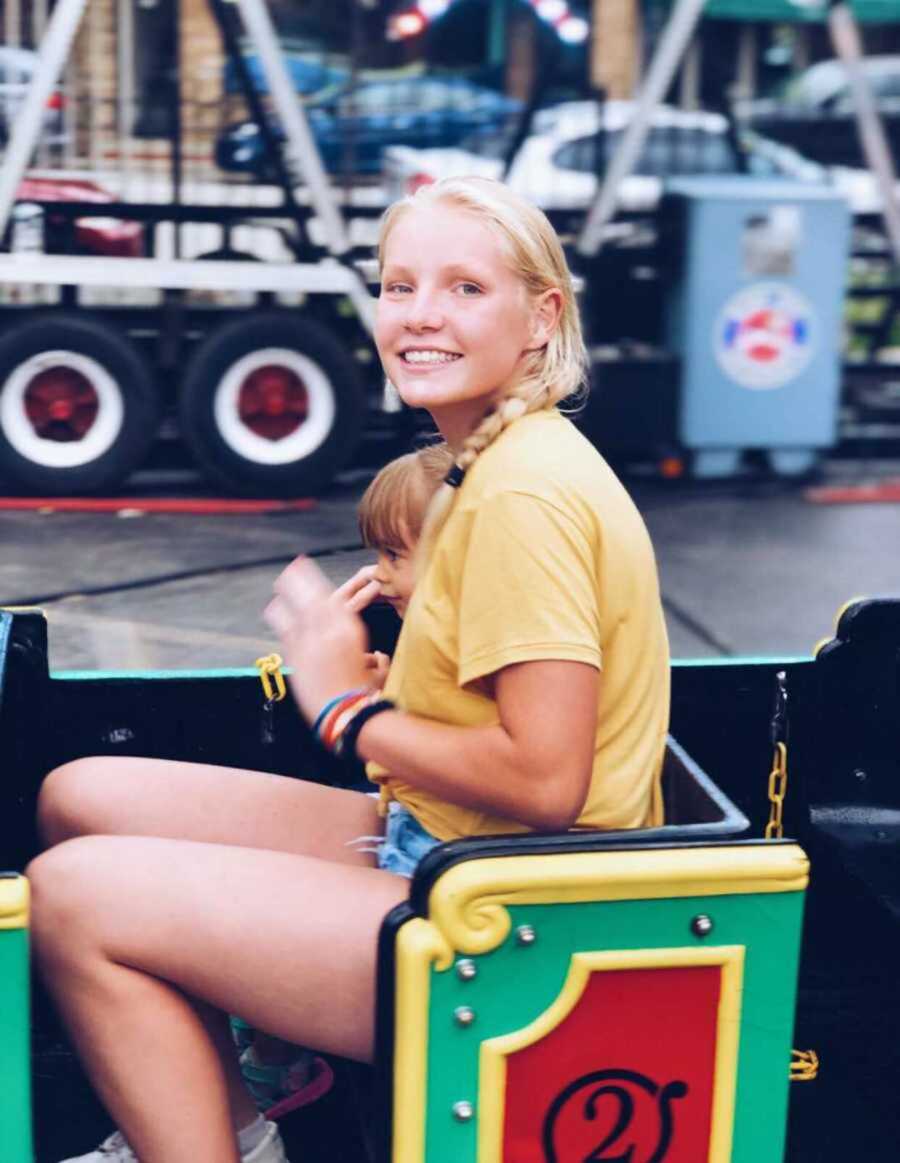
x=754 y=313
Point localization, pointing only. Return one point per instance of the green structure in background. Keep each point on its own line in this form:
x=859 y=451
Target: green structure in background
x=800 y=11
x=15 y=1081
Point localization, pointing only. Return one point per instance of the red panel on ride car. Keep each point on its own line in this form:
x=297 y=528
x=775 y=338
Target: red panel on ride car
x=627 y=1075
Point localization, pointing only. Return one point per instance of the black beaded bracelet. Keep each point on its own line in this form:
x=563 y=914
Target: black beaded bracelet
x=455 y=476
x=346 y=743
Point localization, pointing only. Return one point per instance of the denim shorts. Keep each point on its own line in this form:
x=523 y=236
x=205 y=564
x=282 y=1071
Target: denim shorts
x=405 y=841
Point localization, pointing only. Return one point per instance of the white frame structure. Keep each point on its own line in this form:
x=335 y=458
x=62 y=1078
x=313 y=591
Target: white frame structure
x=673 y=44
x=332 y=275
x=303 y=159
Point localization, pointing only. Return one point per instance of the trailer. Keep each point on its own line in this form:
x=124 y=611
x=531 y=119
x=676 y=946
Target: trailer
x=268 y=366
x=263 y=364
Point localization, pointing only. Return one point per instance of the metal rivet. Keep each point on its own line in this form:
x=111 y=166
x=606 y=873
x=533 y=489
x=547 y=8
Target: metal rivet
x=464 y=1015
x=466 y=969
x=701 y=925
x=525 y=935
x=463 y=1111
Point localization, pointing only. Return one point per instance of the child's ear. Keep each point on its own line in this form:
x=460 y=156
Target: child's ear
x=546 y=312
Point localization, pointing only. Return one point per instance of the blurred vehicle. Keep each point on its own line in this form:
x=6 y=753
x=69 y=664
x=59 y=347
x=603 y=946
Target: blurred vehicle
x=353 y=126
x=17 y=67
x=308 y=73
x=815 y=112
x=559 y=165
x=859 y=187
x=113 y=237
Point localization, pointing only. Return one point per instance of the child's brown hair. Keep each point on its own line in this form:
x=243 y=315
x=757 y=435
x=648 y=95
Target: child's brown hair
x=393 y=507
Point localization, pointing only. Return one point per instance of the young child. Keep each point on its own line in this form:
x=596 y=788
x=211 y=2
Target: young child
x=282 y=1077
x=391 y=513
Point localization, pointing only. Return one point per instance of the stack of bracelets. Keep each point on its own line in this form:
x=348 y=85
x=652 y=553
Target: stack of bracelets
x=340 y=721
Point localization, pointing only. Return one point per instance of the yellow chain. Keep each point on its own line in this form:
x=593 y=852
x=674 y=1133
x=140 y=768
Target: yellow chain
x=777 y=791
x=804 y=1065
x=269 y=669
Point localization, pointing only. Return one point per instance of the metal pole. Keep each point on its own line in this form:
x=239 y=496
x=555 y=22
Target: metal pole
x=12 y=13
x=689 y=88
x=350 y=139
x=38 y=24
x=848 y=46
x=675 y=38
x=272 y=149
x=303 y=151
x=13 y=9
x=176 y=129
x=27 y=128
x=125 y=86
x=96 y=58
x=800 y=57
x=746 y=61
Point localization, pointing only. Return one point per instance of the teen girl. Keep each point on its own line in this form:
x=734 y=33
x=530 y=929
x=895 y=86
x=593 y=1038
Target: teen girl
x=529 y=690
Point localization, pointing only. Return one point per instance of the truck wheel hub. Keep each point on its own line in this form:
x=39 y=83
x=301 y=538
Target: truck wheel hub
x=61 y=404
x=273 y=402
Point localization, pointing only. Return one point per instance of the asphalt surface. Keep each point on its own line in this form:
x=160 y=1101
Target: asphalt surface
x=748 y=568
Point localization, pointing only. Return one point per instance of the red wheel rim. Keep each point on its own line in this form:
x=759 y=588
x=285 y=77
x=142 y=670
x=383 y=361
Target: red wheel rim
x=273 y=402
x=61 y=404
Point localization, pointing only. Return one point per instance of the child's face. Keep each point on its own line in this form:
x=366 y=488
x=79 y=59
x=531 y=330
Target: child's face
x=395 y=575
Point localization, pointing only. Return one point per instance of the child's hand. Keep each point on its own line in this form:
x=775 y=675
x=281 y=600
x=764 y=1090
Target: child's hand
x=378 y=664
x=358 y=591
x=321 y=639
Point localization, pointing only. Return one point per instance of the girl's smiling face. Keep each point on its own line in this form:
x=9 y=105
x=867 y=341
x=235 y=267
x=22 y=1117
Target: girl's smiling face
x=453 y=319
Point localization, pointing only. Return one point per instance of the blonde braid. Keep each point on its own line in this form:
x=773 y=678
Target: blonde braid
x=520 y=400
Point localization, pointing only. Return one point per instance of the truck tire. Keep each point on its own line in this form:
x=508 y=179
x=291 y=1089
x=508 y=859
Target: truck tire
x=78 y=407
x=272 y=405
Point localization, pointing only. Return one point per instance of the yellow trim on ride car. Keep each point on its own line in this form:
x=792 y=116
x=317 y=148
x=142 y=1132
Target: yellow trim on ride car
x=419 y=945
x=14 y=898
x=468 y=903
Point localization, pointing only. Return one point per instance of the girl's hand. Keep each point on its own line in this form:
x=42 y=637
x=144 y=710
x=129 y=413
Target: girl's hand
x=358 y=591
x=321 y=639
x=378 y=664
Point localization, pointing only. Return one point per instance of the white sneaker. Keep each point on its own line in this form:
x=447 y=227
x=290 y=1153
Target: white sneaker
x=270 y=1150
x=111 y=1150
x=115 y=1149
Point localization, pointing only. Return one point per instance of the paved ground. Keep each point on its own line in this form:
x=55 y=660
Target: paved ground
x=747 y=569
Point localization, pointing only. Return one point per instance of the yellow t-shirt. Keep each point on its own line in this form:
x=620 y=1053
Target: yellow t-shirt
x=544 y=556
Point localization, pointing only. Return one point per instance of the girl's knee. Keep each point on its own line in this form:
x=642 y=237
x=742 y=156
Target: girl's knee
x=60 y=881
x=69 y=800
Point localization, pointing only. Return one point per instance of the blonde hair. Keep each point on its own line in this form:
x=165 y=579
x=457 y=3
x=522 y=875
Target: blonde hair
x=392 y=509
x=535 y=255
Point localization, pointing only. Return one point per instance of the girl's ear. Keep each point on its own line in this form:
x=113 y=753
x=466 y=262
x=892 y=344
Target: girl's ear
x=546 y=312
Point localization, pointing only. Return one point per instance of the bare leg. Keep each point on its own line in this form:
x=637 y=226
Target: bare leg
x=107 y=795
x=194 y=802
x=126 y=927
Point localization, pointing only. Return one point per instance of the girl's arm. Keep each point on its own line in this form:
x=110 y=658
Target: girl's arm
x=533 y=767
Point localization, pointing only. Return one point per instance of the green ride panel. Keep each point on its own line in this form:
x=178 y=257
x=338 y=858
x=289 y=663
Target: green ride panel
x=15 y=1083
x=515 y=983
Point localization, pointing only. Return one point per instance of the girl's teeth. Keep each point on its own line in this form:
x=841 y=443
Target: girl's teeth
x=429 y=357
